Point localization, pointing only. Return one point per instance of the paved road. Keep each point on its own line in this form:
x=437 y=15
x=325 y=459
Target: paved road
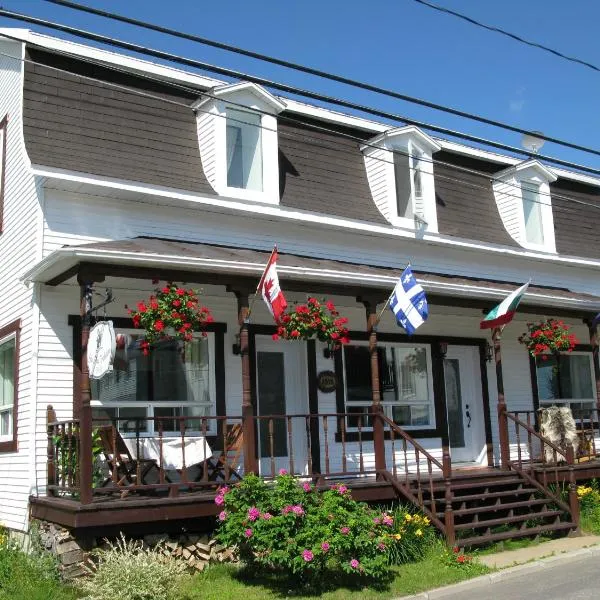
x=573 y=580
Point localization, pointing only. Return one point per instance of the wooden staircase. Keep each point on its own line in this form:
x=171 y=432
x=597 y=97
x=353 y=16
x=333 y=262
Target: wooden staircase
x=495 y=506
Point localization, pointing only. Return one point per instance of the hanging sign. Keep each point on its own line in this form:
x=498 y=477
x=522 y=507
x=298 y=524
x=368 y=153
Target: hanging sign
x=102 y=345
x=327 y=381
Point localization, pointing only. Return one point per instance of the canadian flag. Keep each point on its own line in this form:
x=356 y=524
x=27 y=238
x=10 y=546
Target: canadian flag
x=270 y=290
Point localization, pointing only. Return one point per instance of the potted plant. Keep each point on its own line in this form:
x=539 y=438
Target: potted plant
x=314 y=320
x=549 y=336
x=172 y=312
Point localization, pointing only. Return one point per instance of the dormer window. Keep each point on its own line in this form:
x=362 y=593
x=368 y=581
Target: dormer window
x=237 y=135
x=400 y=171
x=532 y=212
x=244 y=151
x=522 y=194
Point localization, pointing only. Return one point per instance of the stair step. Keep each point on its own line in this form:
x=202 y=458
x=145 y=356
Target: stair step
x=505 y=520
x=496 y=494
x=470 y=485
x=506 y=506
x=517 y=533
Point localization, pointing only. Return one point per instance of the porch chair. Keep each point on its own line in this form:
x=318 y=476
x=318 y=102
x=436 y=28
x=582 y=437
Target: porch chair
x=123 y=467
x=227 y=462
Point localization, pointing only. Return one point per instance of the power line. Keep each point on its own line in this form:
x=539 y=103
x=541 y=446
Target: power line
x=319 y=73
x=508 y=34
x=288 y=88
x=311 y=141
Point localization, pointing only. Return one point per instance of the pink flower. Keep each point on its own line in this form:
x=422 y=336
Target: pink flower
x=354 y=563
x=266 y=516
x=219 y=500
x=283 y=472
x=342 y=489
x=387 y=520
x=376 y=520
x=345 y=530
x=286 y=509
x=248 y=533
x=325 y=547
x=222 y=515
x=253 y=513
x=306 y=487
x=223 y=490
x=307 y=555
x=298 y=510
x=381 y=546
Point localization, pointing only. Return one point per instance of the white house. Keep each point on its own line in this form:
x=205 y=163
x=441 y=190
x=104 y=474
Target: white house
x=116 y=171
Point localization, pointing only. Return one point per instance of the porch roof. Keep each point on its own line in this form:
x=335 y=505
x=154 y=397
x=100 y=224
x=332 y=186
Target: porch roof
x=146 y=257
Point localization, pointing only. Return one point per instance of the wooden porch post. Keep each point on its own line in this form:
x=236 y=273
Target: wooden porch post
x=249 y=440
x=595 y=359
x=502 y=420
x=51 y=466
x=85 y=409
x=376 y=408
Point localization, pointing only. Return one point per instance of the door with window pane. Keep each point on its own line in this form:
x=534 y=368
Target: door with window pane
x=464 y=404
x=281 y=391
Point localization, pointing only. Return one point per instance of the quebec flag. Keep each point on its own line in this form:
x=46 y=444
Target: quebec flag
x=408 y=302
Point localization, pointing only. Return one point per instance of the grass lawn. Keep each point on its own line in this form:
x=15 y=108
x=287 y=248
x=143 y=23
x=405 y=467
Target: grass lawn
x=225 y=582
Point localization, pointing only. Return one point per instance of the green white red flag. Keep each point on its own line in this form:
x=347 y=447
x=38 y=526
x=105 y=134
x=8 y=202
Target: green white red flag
x=505 y=311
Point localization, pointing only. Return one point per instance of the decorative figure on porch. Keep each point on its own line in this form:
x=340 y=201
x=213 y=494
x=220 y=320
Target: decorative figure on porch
x=171 y=313
x=548 y=336
x=315 y=319
x=558 y=426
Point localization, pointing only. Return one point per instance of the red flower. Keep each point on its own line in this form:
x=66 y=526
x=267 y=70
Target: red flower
x=210 y=319
x=275 y=336
x=180 y=292
x=154 y=305
x=166 y=289
x=461 y=558
x=330 y=305
x=159 y=325
x=456 y=549
x=295 y=333
x=136 y=320
x=141 y=307
x=176 y=303
x=189 y=304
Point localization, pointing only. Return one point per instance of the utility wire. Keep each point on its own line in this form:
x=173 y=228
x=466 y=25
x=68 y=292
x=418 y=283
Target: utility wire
x=508 y=34
x=310 y=141
x=319 y=73
x=288 y=88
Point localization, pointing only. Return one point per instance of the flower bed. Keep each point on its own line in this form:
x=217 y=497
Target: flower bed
x=290 y=527
x=315 y=320
x=549 y=336
x=172 y=312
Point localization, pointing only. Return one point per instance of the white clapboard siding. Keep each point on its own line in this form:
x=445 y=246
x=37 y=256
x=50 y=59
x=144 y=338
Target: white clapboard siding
x=20 y=247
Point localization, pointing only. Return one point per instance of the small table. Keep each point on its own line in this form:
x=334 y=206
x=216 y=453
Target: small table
x=196 y=450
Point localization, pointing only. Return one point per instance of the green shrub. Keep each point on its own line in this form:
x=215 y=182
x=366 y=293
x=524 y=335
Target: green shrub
x=589 y=503
x=290 y=528
x=32 y=576
x=127 y=571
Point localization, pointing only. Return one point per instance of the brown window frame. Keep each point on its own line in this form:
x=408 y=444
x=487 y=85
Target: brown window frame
x=3 y=128
x=7 y=330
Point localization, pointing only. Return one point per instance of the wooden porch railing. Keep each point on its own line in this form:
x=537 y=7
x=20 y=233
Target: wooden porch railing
x=410 y=481
x=62 y=455
x=537 y=449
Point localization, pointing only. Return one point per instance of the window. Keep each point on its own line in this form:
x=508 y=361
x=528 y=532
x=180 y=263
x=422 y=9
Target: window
x=9 y=349
x=3 y=124
x=408 y=177
x=532 y=213
x=405 y=379
x=244 y=150
x=176 y=380
x=567 y=380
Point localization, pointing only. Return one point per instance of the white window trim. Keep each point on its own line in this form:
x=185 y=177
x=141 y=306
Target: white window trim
x=151 y=404
x=569 y=401
x=431 y=403
x=6 y=407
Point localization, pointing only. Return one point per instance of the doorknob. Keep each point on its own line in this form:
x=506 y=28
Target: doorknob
x=468 y=415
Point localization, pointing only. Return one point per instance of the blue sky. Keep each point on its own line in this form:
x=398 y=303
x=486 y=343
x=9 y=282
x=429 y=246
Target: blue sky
x=400 y=45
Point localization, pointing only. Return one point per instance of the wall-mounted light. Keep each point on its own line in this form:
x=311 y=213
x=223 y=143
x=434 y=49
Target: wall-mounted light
x=443 y=349
x=236 y=348
x=489 y=352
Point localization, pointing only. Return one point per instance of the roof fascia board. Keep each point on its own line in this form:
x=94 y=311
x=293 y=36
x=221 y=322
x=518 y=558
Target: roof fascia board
x=74 y=255
x=536 y=165
x=320 y=220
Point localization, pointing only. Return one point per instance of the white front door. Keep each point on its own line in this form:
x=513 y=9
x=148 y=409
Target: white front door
x=464 y=405
x=281 y=390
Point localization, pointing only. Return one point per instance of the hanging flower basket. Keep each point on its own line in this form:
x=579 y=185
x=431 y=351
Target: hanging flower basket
x=170 y=313
x=314 y=320
x=548 y=337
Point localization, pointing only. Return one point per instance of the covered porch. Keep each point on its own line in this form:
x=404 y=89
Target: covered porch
x=322 y=418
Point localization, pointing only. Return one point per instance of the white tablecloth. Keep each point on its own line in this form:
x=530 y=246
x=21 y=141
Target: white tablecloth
x=196 y=450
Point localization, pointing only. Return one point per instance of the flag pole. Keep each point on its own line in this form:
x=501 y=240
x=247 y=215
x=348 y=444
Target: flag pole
x=380 y=313
x=260 y=282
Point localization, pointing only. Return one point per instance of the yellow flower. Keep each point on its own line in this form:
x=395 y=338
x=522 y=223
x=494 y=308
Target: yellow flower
x=407 y=517
x=426 y=521
x=397 y=536
x=582 y=491
x=418 y=532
